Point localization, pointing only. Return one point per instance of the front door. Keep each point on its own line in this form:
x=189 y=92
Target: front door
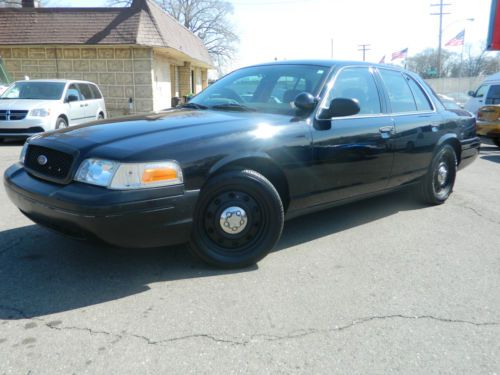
x=353 y=157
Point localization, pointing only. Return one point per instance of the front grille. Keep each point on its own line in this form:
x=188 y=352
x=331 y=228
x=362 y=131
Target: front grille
x=48 y=162
x=28 y=131
x=12 y=114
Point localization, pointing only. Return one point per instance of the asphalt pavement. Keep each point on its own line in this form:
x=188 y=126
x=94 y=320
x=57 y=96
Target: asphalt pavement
x=382 y=286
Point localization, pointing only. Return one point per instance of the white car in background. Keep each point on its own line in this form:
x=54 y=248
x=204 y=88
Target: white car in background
x=34 y=106
x=488 y=93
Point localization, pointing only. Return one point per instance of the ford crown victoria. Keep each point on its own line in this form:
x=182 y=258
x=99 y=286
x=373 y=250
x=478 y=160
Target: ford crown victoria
x=263 y=144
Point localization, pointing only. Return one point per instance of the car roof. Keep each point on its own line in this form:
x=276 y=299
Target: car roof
x=330 y=63
x=55 y=80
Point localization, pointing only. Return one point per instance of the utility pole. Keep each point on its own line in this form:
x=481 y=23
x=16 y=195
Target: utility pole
x=441 y=13
x=363 y=47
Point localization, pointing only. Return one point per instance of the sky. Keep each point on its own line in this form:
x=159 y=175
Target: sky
x=305 y=29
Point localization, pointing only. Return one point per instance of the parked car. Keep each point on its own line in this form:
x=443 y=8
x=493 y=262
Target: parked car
x=33 y=106
x=487 y=93
x=488 y=122
x=225 y=170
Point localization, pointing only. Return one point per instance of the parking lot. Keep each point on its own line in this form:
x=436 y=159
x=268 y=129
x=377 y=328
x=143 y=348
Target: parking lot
x=385 y=285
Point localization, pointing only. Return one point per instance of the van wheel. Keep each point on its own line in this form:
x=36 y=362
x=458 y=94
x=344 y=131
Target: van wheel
x=237 y=221
x=437 y=185
x=496 y=141
x=61 y=123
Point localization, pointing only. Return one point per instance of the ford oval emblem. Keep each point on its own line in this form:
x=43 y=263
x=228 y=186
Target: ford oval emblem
x=42 y=160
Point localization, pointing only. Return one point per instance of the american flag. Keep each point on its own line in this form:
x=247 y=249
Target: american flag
x=457 y=41
x=382 y=60
x=400 y=54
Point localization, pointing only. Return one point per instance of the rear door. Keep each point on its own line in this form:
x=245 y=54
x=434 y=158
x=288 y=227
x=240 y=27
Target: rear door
x=418 y=125
x=76 y=109
x=353 y=157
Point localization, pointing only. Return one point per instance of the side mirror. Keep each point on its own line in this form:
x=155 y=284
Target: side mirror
x=340 y=107
x=305 y=102
x=72 y=98
x=471 y=93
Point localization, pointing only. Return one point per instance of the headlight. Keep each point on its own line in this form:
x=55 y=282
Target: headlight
x=23 y=153
x=40 y=112
x=96 y=172
x=147 y=175
x=127 y=176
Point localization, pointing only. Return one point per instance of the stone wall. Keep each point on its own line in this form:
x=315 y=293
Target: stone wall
x=120 y=72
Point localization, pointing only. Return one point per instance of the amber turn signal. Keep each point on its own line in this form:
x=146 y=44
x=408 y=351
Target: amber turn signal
x=158 y=174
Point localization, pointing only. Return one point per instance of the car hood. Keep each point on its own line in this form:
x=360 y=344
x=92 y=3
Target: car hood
x=129 y=137
x=25 y=104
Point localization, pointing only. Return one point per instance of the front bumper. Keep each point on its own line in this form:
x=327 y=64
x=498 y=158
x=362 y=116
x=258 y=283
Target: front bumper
x=470 y=151
x=24 y=128
x=136 y=219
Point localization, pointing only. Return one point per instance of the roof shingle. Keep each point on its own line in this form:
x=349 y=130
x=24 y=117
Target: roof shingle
x=144 y=23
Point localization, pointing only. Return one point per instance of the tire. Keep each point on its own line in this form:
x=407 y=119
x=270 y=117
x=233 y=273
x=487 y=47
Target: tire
x=100 y=117
x=238 y=219
x=437 y=185
x=61 y=123
x=496 y=141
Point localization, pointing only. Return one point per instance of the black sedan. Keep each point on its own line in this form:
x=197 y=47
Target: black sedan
x=263 y=144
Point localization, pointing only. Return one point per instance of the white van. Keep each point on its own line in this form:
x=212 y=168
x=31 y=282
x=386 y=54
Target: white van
x=29 y=107
x=488 y=93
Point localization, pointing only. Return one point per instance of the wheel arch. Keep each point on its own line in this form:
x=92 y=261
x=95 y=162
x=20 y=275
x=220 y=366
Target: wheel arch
x=453 y=141
x=261 y=163
x=64 y=117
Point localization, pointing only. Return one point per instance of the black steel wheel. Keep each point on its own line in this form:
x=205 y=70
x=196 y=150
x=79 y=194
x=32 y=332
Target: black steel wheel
x=496 y=141
x=437 y=184
x=61 y=123
x=238 y=219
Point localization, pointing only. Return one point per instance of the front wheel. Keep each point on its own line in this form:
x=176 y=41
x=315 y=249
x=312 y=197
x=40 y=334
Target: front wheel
x=496 y=141
x=61 y=123
x=238 y=219
x=437 y=185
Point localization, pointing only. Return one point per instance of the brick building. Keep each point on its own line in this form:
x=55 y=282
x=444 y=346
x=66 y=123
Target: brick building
x=139 y=54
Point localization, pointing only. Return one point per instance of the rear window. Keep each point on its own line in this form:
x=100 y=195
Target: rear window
x=493 y=96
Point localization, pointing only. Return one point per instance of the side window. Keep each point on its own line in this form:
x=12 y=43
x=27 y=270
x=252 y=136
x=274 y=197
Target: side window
x=400 y=95
x=95 y=91
x=493 y=96
x=359 y=84
x=85 y=91
x=421 y=98
x=481 y=91
x=73 y=90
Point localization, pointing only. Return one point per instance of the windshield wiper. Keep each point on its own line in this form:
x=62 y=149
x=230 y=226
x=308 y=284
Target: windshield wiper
x=194 y=106
x=234 y=107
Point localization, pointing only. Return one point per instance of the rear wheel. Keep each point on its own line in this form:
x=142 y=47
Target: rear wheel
x=61 y=123
x=437 y=184
x=238 y=219
x=496 y=141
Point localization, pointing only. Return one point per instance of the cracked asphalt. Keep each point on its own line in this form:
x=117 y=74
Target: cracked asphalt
x=381 y=286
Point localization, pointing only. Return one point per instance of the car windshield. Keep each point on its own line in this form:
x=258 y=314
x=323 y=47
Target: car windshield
x=267 y=88
x=34 y=90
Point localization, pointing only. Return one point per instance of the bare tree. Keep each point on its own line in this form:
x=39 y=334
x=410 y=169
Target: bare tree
x=208 y=19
